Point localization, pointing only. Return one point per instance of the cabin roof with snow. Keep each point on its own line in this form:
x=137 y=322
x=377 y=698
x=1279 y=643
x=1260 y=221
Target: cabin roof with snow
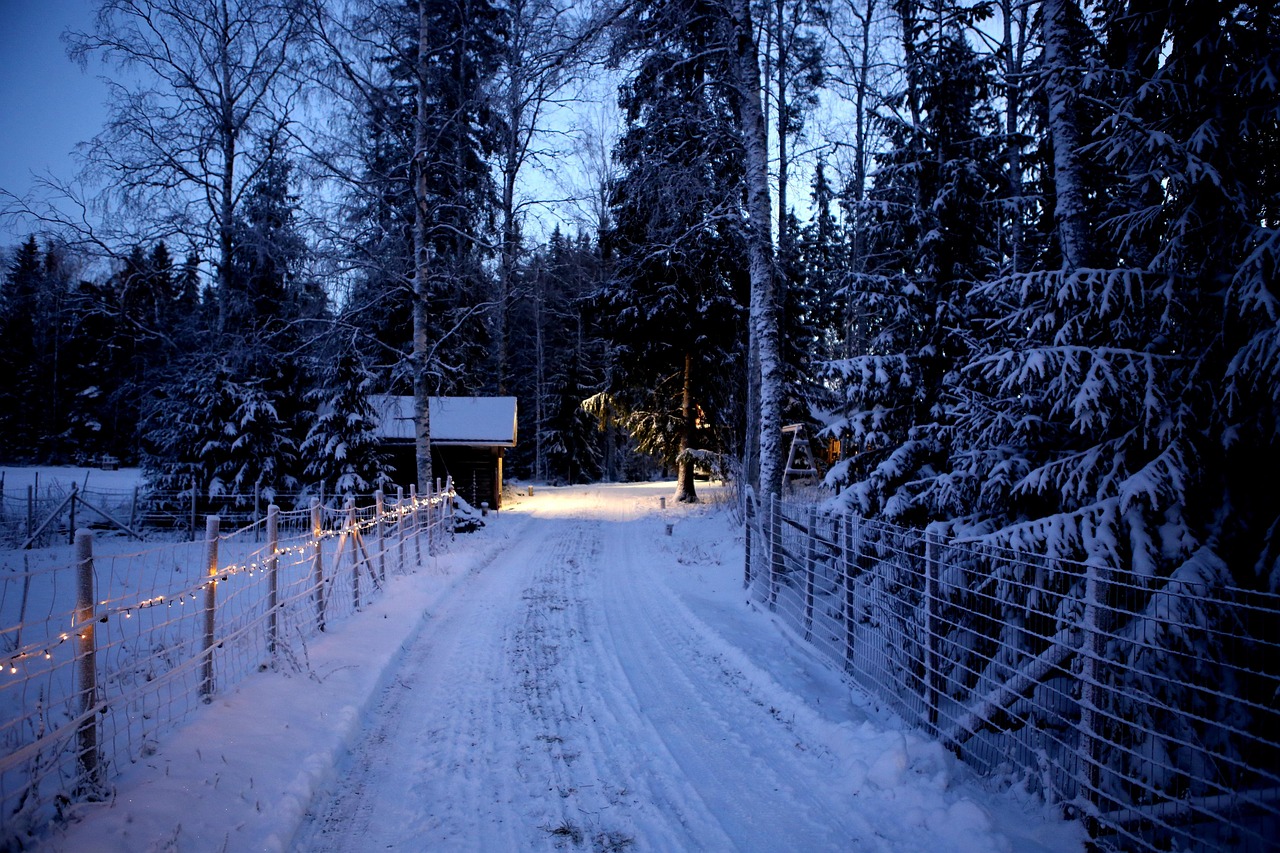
x=473 y=421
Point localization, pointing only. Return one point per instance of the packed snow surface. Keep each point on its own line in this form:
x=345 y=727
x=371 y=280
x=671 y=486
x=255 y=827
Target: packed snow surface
x=572 y=676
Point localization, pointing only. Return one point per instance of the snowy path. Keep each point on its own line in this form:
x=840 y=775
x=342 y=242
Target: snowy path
x=565 y=696
x=567 y=678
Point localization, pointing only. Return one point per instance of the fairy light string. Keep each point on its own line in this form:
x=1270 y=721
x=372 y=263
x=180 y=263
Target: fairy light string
x=44 y=649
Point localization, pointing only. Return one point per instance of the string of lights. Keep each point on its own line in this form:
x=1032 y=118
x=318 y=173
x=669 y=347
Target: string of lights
x=189 y=596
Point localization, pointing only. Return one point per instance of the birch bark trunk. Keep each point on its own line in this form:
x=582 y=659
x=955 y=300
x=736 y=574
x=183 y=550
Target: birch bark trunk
x=422 y=263
x=745 y=67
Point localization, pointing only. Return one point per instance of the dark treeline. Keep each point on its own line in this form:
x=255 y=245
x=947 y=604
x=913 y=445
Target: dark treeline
x=1023 y=256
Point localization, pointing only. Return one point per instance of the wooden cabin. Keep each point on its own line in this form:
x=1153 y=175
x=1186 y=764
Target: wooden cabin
x=469 y=439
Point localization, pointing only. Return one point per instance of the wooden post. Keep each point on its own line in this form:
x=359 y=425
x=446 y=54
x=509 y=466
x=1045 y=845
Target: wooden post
x=810 y=570
x=273 y=577
x=850 y=600
x=133 y=510
x=317 y=563
x=380 y=508
x=31 y=510
x=86 y=665
x=417 y=542
x=210 y=607
x=932 y=677
x=748 y=517
x=352 y=533
x=400 y=525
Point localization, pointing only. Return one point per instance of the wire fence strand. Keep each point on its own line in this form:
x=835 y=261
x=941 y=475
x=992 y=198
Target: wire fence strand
x=1147 y=707
x=108 y=648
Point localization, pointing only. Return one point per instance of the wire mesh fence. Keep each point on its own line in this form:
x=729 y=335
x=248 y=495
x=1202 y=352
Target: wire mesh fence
x=105 y=649
x=1147 y=707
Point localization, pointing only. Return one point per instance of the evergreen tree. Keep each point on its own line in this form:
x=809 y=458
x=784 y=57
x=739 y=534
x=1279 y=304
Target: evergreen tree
x=932 y=243
x=673 y=307
x=342 y=451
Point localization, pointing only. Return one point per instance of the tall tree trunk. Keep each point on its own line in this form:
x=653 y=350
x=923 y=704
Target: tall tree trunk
x=685 y=492
x=1061 y=86
x=422 y=263
x=745 y=67
x=1013 y=71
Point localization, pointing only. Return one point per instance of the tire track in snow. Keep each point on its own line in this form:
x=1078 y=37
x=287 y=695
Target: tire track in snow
x=562 y=698
x=735 y=752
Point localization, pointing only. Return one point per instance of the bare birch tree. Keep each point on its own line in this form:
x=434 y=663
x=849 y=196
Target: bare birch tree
x=206 y=93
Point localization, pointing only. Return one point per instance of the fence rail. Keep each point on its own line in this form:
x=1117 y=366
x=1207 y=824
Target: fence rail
x=105 y=650
x=1148 y=707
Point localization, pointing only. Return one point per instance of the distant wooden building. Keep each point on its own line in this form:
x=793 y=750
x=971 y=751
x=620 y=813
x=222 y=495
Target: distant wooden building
x=469 y=438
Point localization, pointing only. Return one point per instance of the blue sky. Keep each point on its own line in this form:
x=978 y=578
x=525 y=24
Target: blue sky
x=47 y=104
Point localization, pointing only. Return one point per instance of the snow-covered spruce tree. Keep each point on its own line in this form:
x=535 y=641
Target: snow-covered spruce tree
x=931 y=242
x=342 y=453
x=1121 y=404
x=673 y=306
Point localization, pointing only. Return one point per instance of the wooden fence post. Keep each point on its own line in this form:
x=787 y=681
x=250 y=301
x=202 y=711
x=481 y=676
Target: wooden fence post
x=210 y=606
x=413 y=505
x=810 y=570
x=273 y=577
x=352 y=533
x=400 y=525
x=31 y=510
x=317 y=562
x=850 y=595
x=380 y=508
x=86 y=664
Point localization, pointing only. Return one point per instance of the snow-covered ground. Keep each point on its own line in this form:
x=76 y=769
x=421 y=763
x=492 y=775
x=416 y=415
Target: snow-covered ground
x=569 y=677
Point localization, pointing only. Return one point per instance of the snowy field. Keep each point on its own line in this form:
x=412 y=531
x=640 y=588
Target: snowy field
x=62 y=478
x=569 y=677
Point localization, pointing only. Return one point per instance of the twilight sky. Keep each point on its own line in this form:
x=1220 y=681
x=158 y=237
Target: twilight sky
x=47 y=104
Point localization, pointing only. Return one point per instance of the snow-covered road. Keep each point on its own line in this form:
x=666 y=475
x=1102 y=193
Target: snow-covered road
x=583 y=681
x=566 y=696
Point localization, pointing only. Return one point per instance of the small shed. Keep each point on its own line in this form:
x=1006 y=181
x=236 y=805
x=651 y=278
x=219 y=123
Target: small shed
x=469 y=438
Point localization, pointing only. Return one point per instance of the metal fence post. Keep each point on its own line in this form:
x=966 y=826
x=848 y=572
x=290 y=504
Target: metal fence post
x=932 y=552
x=810 y=570
x=775 y=549
x=1090 y=652
x=210 y=606
x=71 y=524
x=273 y=577
x=850 y=600
x=86 y=665
x=748 y=516
x=317 y=563
x=380 y=509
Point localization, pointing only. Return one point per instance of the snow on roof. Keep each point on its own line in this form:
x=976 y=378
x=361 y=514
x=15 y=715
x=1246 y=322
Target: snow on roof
x=486 y=421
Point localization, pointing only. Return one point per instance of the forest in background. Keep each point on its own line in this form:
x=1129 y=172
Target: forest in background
x=1022 y=254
